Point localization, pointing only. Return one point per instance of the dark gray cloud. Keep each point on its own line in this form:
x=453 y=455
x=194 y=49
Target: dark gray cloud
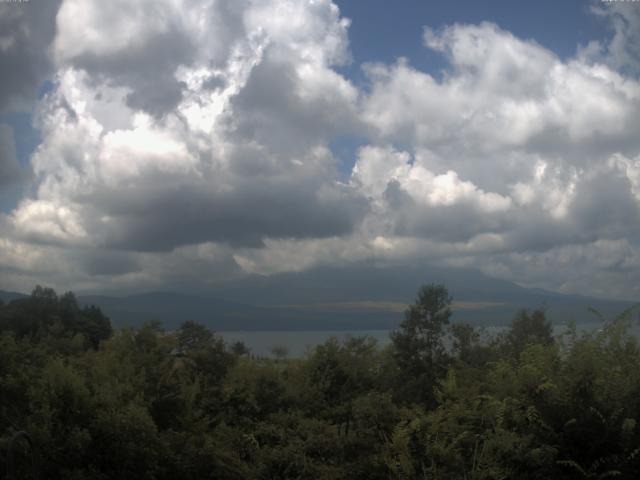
x=448 y=223
x=146 y=68
x=108 y=263
x=10 y=171
x=146 y=219
x=26 y=31
x=144 y=52
x=601 y=207
x=286 y=112
x=605 y=208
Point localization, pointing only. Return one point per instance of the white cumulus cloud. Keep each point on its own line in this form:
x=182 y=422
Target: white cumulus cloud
x=188 y=141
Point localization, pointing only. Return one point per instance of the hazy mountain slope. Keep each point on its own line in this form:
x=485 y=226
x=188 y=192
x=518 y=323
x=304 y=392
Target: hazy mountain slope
x=8 y=296
x=355 y=298
x=347 y=298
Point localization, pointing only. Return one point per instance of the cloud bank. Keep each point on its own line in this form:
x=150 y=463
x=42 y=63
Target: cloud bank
x=187 y=142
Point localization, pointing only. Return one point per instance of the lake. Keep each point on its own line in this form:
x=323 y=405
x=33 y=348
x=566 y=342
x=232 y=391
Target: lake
x=298 y=343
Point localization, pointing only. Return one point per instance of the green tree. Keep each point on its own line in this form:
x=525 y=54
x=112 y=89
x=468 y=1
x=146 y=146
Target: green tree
x=419 y=347
x=57 y=319
x=528 y=328
x=194 y=335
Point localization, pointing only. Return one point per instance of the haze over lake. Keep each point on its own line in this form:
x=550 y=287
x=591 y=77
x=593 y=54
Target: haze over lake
x=300 y=343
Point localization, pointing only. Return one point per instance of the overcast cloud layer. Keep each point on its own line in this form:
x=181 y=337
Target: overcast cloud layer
x=186 y=142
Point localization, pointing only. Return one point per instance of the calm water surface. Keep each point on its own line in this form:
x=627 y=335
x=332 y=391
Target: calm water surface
x=297 y=343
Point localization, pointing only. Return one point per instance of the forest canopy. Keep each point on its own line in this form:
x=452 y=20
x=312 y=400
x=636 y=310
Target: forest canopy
x=440 y=401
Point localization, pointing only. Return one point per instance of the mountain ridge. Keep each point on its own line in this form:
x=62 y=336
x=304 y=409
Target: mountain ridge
x=362 y=298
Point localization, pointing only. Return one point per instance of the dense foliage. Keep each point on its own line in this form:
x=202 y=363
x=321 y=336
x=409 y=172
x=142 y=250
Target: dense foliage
x=439 y=402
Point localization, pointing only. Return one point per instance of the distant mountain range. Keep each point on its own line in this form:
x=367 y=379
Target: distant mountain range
x=358 y=298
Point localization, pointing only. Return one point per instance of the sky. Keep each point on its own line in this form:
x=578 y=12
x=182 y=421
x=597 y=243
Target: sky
x=177 y=144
